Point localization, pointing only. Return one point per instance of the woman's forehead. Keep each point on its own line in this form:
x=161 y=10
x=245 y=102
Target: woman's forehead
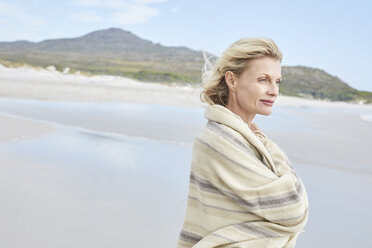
x=270 y=75
x=267 y=66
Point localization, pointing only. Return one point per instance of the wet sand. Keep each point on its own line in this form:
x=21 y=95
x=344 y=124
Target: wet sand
x=17 y=129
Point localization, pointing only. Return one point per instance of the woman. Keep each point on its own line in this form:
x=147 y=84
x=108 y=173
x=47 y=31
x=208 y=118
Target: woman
x=243 y=191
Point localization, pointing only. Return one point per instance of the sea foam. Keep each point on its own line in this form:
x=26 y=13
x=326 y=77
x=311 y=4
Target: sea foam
x=366 y=117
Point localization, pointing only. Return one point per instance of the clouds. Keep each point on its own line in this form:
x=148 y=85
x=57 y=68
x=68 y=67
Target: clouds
x=150 y=1
x=35 y=20
x=86 y=16
x=117 y=12
x=102 y=3
x=15 y=13
x=175 y=9
x=17 y=22
x=135 y=14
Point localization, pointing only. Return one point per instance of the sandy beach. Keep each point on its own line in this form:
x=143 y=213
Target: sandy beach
x=82 y=158
x=28 y=83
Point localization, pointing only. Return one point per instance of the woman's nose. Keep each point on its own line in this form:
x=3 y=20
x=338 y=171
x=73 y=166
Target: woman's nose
x=273 y=90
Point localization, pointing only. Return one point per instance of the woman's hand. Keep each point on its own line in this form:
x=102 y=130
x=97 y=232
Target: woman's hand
x=254 y=127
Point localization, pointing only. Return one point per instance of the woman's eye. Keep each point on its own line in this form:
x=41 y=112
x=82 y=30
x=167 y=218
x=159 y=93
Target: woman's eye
x=263 y=80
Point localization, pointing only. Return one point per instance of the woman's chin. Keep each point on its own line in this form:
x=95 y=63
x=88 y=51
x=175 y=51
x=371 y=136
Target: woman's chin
x=266 y=112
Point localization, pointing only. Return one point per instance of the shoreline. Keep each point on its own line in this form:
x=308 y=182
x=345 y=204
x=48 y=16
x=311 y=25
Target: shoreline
x=30 y=84
x=47 y=85
x=17 y=128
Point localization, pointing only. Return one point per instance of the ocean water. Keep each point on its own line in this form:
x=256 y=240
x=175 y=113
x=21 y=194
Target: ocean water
x=116 y=175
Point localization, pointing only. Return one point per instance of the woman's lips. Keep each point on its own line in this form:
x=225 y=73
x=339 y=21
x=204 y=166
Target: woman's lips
x=268 y=102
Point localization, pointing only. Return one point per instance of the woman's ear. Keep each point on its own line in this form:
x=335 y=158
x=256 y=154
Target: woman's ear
x=230 y=80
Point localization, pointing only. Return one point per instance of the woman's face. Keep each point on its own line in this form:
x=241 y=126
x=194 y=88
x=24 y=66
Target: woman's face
x=256 y=90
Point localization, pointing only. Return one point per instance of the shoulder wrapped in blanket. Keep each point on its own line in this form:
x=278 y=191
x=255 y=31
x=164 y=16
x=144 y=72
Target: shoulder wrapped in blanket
x=243 y=192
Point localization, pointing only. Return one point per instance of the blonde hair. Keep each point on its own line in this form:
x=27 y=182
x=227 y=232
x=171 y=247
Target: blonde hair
x=235 y=59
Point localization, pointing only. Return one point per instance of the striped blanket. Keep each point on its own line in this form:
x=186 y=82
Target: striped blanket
x=243 y=192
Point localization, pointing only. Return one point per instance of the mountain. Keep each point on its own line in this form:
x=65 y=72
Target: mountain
x=110 y=42
x=119 y=52
x=318 y=84
x=109 y=51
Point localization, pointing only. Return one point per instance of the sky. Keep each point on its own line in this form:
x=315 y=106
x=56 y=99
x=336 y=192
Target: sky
x=334 y=36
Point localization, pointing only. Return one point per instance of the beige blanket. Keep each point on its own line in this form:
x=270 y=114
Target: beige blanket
x=243 y=192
